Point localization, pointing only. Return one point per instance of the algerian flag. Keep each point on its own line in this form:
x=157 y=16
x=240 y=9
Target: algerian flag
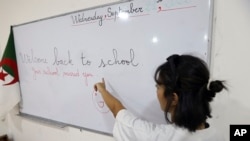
x=9 y=86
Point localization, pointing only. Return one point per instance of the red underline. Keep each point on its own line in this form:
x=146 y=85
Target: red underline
x=180 y=8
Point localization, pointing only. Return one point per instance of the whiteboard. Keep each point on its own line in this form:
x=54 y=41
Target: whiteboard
x=60 y=58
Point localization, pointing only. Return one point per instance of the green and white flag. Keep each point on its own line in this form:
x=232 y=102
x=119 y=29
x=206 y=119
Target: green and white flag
x=9 y=80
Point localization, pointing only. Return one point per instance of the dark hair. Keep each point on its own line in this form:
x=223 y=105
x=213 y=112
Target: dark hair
x=188 y=77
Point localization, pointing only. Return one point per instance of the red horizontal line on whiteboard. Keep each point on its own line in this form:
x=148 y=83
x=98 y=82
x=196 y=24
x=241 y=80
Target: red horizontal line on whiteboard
x=180 y=8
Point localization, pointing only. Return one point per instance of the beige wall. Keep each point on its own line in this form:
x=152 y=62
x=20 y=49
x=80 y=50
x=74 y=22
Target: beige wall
x=230 y=62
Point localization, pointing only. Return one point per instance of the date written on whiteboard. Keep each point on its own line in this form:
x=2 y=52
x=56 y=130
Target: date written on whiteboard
x=83 y=18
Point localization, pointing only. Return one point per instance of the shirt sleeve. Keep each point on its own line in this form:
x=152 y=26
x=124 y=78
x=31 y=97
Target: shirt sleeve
x=128 y=127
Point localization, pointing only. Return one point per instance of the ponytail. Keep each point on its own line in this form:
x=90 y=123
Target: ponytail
x=214 y=87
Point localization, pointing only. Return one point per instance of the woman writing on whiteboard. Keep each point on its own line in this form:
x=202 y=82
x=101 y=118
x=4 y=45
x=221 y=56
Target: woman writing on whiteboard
x=184 y=92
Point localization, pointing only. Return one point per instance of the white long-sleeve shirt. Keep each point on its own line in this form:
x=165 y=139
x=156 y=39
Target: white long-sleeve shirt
x=131 y=128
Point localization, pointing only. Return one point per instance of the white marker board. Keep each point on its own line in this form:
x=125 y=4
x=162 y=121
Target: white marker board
x=60 y=58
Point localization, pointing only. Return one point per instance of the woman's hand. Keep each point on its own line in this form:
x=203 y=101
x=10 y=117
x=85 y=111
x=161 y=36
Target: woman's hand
x=114 y=104
x=101 y=87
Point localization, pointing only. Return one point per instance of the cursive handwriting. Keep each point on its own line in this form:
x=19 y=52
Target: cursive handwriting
x=81 y=18
x=71 y=73
x=85 y=61
x=31 y=58
x=117 y=61
x=51 y=71
x=131 y=9
x=35 y=72
x=58 y=61
x=86 y=75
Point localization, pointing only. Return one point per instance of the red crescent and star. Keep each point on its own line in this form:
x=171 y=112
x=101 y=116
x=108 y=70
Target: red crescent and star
x=13 y=66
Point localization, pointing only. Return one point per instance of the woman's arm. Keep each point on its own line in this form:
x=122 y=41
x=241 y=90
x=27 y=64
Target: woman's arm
x=114 y=104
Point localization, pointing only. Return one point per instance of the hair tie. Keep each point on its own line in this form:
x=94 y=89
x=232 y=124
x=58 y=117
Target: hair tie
x=208 y=84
